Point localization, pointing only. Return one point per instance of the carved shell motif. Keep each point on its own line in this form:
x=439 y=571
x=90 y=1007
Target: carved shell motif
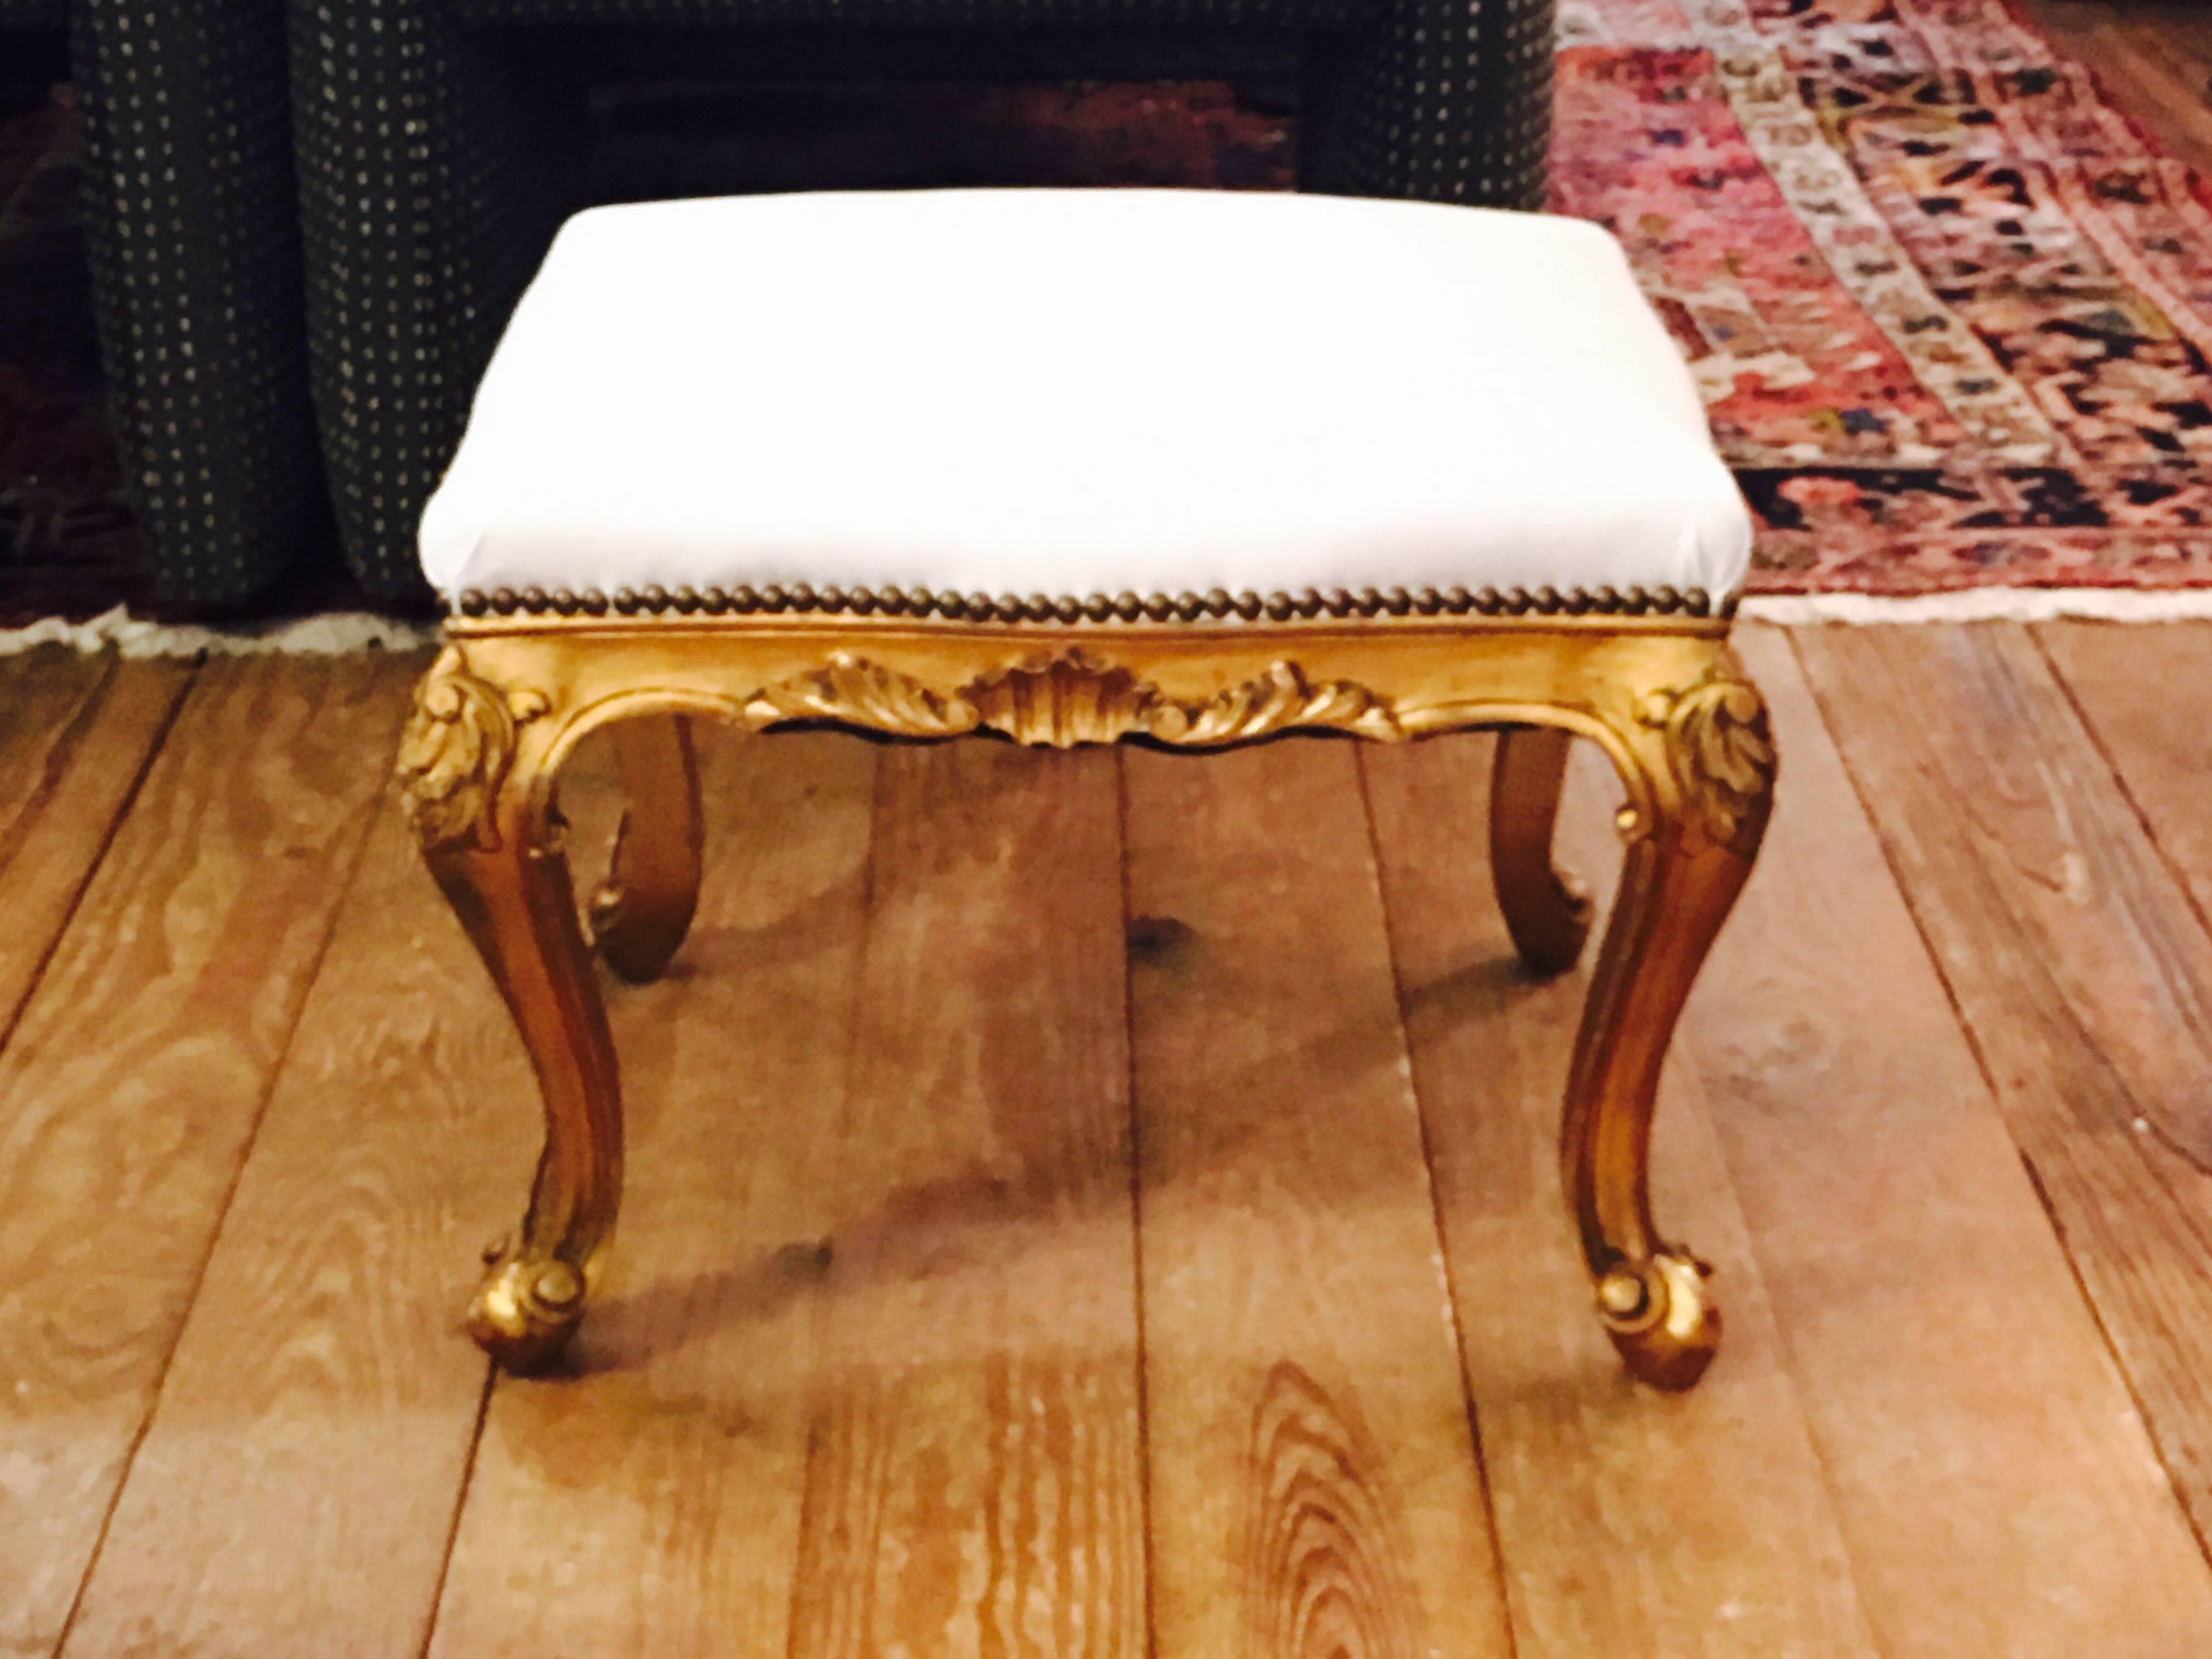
x=1066 y=699
x=1722 y=753
x=455 y=753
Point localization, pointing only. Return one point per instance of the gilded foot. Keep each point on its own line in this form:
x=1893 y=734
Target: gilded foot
x=1659 y=1316
x=526 y=1308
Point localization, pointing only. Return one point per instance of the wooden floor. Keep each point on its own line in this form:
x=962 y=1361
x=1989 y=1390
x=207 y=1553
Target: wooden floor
x=1104 y=1204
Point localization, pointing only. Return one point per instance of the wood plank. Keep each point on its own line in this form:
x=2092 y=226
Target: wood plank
x=77 y=732
x=1998 y=1488
x=646 y=1500
x=1313 y=1482
x=138 y=1070
x=2140 y=688
x=974 y=1481
x=1709 y=1512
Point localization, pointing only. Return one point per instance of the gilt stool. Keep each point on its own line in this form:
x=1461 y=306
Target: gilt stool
x=1192 y=469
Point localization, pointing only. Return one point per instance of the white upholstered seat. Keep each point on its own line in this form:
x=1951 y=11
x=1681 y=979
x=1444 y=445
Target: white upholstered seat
x=1084 y=391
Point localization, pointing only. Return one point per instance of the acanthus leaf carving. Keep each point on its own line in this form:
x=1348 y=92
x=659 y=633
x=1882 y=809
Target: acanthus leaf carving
x=457 y=748
x=855 y=691
x=1721 y=751
x=1069 y=699
x=1279 y=701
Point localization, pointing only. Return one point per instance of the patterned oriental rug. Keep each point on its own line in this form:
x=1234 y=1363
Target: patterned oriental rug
x=1951 y=311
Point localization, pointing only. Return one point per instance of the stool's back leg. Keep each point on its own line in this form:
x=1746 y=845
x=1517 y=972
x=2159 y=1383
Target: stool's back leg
x=1546 y=912
x=641 y=912
x=1706 y=791
x=491 y=836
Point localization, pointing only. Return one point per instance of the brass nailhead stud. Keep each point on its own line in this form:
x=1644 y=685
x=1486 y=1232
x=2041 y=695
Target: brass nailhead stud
x=1127 y=606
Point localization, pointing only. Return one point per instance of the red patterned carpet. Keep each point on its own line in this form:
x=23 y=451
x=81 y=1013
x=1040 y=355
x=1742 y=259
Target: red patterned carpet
x=1951 y=311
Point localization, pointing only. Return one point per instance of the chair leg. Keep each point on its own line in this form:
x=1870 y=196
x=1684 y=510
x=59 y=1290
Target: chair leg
x=641 y=911
x=1706 y=789
x=1547 y=911
x=491 y=836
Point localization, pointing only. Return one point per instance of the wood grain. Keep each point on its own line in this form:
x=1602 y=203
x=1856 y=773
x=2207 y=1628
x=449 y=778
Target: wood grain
x=2138 y=689
x=1314 y=1486
x=76 y=731
x=1631 y=1523
x=974 y=1481
x=2150 y=58
x=1998 y=1489
x=646 y=1499
x=136 y=1075
x=321 y=1406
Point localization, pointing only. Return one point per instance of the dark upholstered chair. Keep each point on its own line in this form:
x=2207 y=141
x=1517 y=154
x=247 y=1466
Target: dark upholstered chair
x=191 y=216
x=441 y=142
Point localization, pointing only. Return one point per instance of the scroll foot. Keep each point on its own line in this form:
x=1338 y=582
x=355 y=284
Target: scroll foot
x=1660 y=1318
x=526 y=1308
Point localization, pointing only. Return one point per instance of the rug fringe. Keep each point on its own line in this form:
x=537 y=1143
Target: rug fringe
x=1983 y=605
x=133 y=636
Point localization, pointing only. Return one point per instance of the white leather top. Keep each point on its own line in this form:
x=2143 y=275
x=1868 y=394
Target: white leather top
x=1078 y=392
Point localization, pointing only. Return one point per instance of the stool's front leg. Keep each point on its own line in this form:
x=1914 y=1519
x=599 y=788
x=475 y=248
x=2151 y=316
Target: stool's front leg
x=1701 y=788
x=642 y=910
x=1547 y=913
x=471 y=770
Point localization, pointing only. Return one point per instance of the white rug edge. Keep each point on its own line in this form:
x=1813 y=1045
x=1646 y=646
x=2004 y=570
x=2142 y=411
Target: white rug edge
x=347 y=631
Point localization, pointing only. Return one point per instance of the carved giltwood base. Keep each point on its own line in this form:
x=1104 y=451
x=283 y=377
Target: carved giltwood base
x=1663 y=696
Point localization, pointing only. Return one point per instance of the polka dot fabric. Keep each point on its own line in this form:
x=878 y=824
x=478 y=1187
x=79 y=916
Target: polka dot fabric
x=437 y=159
x=192 y=223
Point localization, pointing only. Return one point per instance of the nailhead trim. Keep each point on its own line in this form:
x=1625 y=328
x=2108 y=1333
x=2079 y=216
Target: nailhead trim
x=1098 y=607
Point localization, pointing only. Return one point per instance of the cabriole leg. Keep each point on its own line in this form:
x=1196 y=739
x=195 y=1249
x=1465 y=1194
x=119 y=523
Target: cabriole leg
x=470 y=770
x=1546 y=912
x=640 y=913
x=1700 y=796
